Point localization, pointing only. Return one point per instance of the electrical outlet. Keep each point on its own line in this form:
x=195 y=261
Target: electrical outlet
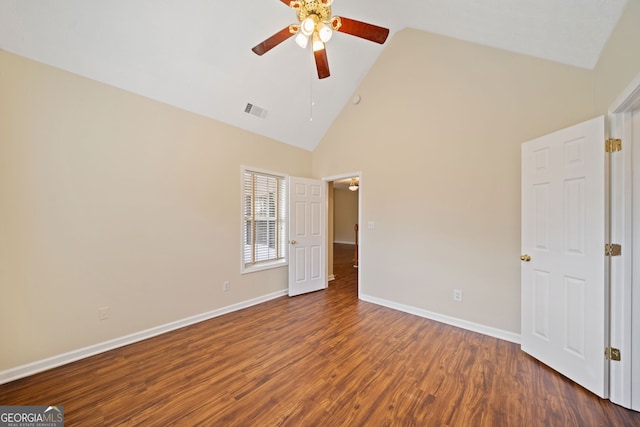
x=226 y=286
x=103 y=313
x=457 y=295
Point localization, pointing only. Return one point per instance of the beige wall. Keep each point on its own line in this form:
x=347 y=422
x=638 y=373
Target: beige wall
x=345 y=216
x=111 y=199
x=446 y=119
x=620 y=60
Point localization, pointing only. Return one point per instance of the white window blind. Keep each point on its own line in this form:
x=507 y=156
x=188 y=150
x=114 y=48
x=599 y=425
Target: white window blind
x=264 y=210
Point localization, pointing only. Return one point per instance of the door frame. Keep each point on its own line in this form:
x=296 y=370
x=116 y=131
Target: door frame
x=360 y=242
x=624 y=376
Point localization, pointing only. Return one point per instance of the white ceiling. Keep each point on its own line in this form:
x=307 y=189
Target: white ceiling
x=196 y=54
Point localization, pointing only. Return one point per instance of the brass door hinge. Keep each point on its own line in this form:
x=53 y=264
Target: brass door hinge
x=612 y=249
x=611 y=145
x=612 y=354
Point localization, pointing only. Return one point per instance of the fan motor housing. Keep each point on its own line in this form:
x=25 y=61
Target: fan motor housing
x=312 y=7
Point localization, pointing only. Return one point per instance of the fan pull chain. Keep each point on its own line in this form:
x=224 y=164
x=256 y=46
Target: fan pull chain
x=311 y=102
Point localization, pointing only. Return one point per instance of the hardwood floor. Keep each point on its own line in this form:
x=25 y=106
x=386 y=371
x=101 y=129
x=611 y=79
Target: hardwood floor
x=322 y=359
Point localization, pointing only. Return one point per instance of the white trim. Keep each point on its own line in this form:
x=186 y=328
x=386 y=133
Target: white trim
x=629 y=98
x=361 y=244
x=343 y=242
x=342 y=176
x=266 y=265
x=331 y=277
x=82 y=353
x=635 y=261
x=624 y=376
x=453 y=321
x=620 y=267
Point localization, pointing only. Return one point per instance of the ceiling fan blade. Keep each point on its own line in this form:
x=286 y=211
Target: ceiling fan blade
x=363 y=30
x=322 y=63
x=287 y=2
x=272 y=41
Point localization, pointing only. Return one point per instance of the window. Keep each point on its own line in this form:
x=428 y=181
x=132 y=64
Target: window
x=263 y=220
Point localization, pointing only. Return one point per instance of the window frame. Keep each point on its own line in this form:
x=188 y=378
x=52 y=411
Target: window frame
x=283 y=239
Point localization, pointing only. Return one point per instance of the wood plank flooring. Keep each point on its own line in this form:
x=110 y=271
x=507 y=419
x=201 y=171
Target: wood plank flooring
x=323 y=359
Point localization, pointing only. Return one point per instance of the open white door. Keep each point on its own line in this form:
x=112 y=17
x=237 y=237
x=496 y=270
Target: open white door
x=307 y=235
x=564 y=298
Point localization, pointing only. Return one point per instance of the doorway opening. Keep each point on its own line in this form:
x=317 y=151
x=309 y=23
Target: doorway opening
x=343 y=234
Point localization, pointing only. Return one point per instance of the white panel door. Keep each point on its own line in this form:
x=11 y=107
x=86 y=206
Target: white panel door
x=307 y=235
x=563 y=262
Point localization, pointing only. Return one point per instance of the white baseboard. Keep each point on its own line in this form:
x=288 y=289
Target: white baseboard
x=331 y=277
x=464 y=324
x=82 y=353
x=343 y=242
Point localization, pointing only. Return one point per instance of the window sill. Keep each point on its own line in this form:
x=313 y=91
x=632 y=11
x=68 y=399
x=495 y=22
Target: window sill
x=264 y=266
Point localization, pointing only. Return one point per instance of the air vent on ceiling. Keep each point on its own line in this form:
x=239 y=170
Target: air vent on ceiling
x=254 y=110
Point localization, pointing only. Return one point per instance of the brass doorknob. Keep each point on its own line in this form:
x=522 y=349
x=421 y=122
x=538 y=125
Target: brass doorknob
x=525 y=258
x=293 y=242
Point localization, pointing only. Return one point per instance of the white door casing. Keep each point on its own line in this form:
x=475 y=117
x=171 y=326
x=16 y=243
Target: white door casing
x=307 y=235
x=361 y=246
x=564 y=297
x=634 y=331
x=624 y=122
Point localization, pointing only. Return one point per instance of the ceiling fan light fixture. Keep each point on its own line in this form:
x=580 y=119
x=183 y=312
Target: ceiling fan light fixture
x=317 y=43
x=324 y=32
x=308 y=25
x=354 y=185
x=302 y=40
x=316 y=25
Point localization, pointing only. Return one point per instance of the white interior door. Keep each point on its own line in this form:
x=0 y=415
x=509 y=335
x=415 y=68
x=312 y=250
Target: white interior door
x=307 y=235
x=564 y=323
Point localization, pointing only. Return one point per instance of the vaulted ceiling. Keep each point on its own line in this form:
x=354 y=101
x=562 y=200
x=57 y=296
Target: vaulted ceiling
x=196 y=54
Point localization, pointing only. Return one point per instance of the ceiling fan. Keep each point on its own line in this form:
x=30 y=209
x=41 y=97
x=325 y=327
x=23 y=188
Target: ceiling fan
x=316 y=24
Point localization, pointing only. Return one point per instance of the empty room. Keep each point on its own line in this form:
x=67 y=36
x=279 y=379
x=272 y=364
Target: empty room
x=320 y=212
